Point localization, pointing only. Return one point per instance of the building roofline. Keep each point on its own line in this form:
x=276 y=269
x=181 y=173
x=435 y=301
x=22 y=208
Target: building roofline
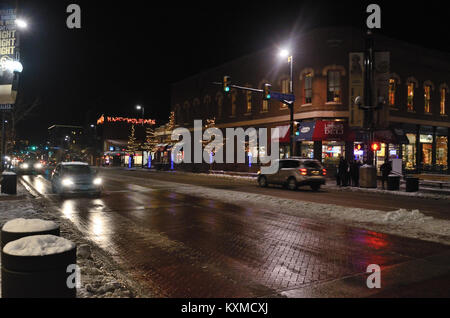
x=65 y=126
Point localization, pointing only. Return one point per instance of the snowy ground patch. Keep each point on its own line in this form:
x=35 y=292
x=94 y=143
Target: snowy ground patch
x=411 y=224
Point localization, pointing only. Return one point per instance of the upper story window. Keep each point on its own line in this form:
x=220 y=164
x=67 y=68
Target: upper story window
x=334 y=87
x=285 y=86
x=392 y=90
x=410 y=100
x=443 y=99
x=233 y=102
x=427 y=96
x=308 y=88
x=248 y=100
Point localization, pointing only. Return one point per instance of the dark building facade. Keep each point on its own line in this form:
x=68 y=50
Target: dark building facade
x=413 y=126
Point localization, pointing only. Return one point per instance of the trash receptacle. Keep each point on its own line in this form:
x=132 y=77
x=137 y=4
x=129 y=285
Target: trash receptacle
x=412 y=184
x=9 y=182
x=393 y=182
x=38 y=267
x=368 y=176
x=17 y=228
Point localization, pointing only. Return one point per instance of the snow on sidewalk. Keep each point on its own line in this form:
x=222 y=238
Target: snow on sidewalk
x=401 y=222
x=100 y=277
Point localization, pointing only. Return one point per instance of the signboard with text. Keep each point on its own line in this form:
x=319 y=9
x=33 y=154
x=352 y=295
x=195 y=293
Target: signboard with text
x=8 y=54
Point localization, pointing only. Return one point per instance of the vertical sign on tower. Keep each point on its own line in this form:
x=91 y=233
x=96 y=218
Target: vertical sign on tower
x=382 y=74
x=8 y=54
x=356 y=85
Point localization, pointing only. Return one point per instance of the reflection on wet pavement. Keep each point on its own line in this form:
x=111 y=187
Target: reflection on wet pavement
x=185 y=246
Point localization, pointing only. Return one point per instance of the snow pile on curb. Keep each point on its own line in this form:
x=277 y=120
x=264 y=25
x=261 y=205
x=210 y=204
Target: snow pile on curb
x=38 y=245
x=21 y=225
x=100 y=277
x=397 y=193
x=405 y=216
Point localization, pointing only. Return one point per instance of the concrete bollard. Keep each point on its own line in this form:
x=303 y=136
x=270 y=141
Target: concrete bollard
x=39 y=266
x=17 y=228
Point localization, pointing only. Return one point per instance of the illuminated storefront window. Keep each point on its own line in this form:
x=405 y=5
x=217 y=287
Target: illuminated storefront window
x=409 y=152
x=331 y=150
x=307 y=149
x=441 y=152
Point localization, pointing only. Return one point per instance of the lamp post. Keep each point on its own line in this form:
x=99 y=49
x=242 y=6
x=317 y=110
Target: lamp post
x=141 y=108
x=284 y=53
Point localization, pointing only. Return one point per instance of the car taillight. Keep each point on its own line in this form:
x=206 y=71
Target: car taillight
x=324 y=172
x=303 y=171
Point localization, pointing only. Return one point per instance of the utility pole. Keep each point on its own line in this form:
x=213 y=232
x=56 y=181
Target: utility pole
x=291 y=107
x=368 y=93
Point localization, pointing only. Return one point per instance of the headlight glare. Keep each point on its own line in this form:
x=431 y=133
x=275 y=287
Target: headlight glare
x=67 y=182
x=97 y=181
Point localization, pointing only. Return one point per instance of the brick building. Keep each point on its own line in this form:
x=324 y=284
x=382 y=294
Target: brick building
x=414 y=124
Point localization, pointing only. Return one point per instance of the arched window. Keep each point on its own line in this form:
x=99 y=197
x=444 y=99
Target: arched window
x=219 y=101
x=187 y=112
x=178 y=114
x=207 y=104
x=443 y=89
x=248 y=100
x=411 y=84
x=394 y=81
x=233 y=102
x=334 y=86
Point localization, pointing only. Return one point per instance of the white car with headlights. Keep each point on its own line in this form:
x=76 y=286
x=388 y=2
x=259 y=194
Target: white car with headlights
x=30 y=167
x=75 y=177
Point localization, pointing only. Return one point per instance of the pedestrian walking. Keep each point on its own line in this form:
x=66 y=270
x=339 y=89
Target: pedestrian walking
x=385 y=169
x=342 y=171
x=354 y=172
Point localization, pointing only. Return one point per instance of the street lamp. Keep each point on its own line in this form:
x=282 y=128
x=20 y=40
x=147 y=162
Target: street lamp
x=285 y=53
x=21 y=23
x=139 y=107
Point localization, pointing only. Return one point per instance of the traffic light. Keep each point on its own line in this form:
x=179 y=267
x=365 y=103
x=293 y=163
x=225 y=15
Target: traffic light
x=266 y=91
x=226 y=83
x=375 y=146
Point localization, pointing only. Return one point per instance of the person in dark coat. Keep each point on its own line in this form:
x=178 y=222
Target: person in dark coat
x=342 y=171
x=385 y=169
x=355 y=172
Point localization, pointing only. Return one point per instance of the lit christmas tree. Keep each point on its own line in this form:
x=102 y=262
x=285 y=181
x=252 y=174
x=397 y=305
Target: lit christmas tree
x=133 y=145
x=171 y=124
x=150 y=139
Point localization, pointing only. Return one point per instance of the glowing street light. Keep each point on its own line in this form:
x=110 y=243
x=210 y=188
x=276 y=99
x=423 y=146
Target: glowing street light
x=284 y=53
x=21 y=23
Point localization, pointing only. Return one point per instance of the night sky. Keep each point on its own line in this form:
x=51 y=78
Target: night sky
x=128 y=52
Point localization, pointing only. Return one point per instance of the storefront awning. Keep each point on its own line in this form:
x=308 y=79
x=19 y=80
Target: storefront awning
x=332 y=131
x=282 y=134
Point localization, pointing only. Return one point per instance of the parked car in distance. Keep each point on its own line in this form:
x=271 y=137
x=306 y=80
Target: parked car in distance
x=75 y=177
x=295 y=172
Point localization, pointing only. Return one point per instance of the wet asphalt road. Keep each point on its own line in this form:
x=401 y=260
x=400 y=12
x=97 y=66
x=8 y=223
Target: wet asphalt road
x=183 y=246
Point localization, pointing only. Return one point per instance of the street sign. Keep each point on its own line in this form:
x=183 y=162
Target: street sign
x=6 y=106
x=282 y=97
